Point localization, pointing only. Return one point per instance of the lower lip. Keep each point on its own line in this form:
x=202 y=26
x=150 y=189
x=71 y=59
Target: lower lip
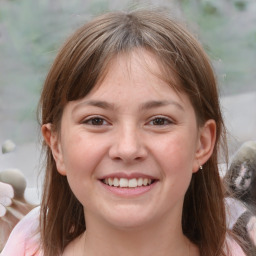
x=129 y=192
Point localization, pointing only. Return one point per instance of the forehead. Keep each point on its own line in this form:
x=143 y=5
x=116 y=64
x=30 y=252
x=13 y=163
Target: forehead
x=134 y=80
x=140 y=68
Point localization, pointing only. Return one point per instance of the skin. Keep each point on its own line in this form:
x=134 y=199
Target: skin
x=132 y=124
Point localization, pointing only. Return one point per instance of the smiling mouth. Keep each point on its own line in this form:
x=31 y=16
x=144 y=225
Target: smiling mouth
x=127 y=183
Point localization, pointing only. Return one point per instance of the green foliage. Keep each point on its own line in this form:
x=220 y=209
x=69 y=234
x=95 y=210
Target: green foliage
x=240 y=5
x=210 y=8
x=31 y=33
x=229 y=37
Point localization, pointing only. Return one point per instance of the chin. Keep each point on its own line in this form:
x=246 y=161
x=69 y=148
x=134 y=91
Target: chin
x=129 y=224
x=128 y=218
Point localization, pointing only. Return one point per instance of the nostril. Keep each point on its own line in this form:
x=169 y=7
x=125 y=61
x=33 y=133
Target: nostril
x=127 y=155
x=117 y=158
x=139 y=158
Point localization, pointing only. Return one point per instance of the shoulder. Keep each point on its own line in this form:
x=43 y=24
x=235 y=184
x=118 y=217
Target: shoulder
x=25 y=237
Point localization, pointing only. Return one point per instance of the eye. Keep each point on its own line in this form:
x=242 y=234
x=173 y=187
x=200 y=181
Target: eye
x=95 y=121
x=160 y=121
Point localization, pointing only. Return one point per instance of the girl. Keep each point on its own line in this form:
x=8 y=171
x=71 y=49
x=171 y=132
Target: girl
x=132 y=127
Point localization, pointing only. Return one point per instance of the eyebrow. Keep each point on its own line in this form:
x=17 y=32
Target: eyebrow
x=99 y=104
x=157 y=104
x=144 y=106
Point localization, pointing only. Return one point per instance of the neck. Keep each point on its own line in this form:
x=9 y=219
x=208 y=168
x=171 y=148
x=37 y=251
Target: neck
x=161 y=239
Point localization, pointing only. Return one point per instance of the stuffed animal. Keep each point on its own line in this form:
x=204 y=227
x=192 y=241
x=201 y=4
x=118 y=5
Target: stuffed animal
x=240 y=180
x=13 y=205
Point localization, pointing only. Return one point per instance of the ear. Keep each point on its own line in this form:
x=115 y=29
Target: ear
x=52 y=140
x=206 y=142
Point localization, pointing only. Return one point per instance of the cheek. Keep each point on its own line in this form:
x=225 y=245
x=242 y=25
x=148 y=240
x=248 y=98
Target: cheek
x=176 y=157
x=82 y=155
x=81 y=160
x=176 y=154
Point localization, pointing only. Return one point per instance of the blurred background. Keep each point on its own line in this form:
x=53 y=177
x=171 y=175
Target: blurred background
x=32 y=31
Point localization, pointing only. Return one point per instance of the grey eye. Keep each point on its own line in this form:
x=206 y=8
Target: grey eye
x=96 y=121
x=160 y=121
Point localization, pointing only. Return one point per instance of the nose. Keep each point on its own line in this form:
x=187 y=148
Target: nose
x=128 y=146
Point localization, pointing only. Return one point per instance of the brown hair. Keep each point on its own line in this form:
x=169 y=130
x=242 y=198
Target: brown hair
x=78 y=67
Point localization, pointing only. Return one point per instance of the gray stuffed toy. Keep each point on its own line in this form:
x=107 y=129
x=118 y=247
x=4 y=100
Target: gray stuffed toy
x=241 y=184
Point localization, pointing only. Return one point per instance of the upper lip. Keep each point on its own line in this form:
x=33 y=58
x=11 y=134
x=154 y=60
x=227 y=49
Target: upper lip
x=132 y=175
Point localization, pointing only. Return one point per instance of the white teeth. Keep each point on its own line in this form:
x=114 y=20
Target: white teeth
x=116 y=182
x=140 y=182
x=110 y=181
x=123 y=183
x=127 y=183
x=133 y=183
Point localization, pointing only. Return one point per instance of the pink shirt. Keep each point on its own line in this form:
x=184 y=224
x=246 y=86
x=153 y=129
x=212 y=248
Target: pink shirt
x=25 y=238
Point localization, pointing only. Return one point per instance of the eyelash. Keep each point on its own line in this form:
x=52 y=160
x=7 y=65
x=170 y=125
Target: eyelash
x=99 y=121
x=163 y=121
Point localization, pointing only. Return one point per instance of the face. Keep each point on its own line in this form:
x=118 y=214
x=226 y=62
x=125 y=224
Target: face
x=129 y=147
